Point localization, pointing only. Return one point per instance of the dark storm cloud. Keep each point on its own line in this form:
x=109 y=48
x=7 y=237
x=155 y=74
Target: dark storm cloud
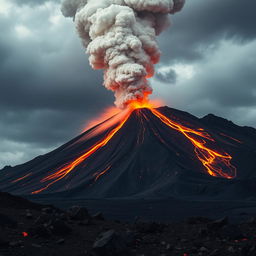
x=46 y=75
x=47 y=88
x=202 y=24
x=167 y=77
x=212 y=36
x=223 y=83
x=41 y=128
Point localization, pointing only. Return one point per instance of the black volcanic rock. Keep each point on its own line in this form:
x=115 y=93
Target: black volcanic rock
x=106 y=237
x=39 y=231
x=7 y=200
x=78 y=213
x=59 y=227
x=231 y=232
x=6 y=221
x=7 y=167
x=145 y=160
x=110 y=243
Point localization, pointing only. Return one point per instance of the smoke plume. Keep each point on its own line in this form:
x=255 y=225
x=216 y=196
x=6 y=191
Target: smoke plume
x=120 y=37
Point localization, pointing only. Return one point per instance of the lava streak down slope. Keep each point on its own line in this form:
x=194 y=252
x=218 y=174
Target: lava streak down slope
x=147 y=153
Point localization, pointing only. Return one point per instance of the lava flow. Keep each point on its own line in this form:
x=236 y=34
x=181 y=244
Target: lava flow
x=211 y=159
x=63 y=172
x=216 y=164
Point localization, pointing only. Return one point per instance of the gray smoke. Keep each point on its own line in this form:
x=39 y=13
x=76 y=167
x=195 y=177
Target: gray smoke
x=120 y=37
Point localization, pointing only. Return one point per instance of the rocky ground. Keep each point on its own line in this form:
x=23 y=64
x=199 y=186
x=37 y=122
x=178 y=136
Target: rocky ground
x=29 y=229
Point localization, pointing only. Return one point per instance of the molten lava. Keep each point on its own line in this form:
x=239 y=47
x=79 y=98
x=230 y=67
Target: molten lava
x=216 y=164
x=63 y=172
x=212 y=160
x=22 y=178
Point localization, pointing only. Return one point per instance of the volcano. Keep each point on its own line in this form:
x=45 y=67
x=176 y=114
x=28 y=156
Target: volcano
x=153 y=155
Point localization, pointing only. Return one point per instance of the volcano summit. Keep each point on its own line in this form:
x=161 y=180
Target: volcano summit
x=144 y=153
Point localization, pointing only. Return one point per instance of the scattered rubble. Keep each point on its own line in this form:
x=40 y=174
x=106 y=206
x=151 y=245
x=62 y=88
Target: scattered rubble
x=45 y=230
x=98 y=216
x=78 y=213
x=110 y=243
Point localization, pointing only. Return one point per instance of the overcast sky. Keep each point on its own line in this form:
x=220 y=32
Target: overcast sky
x=48 y=91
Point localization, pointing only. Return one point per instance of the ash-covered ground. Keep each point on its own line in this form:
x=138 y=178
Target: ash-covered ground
x=29 y=229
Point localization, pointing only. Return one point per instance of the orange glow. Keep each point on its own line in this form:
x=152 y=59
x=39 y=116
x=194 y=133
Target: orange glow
x=145 y=104
x=107 y=124
x=212 y=160
x=101 y=173
x=107 y=113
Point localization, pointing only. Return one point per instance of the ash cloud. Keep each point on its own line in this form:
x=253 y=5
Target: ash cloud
x=120 y=38
x=196 y=28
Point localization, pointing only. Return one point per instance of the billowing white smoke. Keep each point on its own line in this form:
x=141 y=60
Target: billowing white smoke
x=120 y=37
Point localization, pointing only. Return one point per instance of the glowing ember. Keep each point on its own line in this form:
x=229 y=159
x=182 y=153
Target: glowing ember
x=217 y=164
x=24 y=234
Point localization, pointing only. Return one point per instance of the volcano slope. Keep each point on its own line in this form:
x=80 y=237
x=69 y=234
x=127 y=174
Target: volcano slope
x=144 y=163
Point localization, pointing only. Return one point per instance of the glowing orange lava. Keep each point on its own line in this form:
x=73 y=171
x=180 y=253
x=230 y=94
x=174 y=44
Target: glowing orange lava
x=63 y=172
x=212 y=160
x=98 y=175
x=236 y=140
x=145 y=104
x=22 y=178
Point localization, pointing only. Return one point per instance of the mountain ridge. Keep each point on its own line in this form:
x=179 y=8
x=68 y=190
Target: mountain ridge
x=147 y=159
